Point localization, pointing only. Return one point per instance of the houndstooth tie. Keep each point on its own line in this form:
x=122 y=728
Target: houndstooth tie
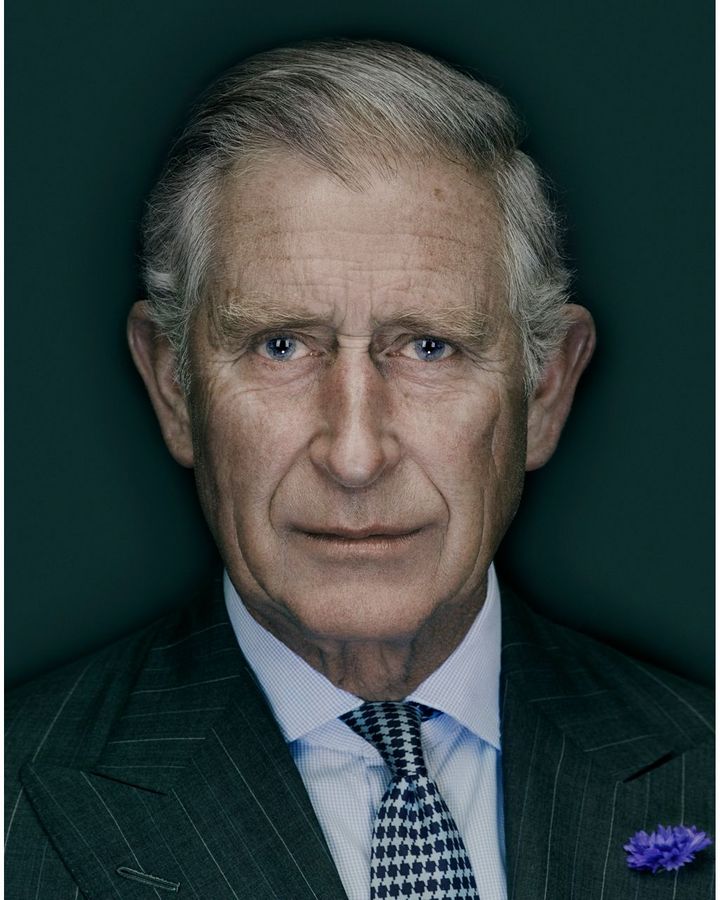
x=417 y=850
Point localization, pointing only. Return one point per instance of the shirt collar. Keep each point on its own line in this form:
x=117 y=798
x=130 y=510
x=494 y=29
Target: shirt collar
x=465 y=686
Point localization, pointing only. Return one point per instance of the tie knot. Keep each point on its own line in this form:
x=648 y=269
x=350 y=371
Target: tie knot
x=393 y=728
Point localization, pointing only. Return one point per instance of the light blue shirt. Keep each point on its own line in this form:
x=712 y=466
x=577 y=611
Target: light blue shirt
x=346 y=777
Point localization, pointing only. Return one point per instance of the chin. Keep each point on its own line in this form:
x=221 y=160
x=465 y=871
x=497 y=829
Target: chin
x=356 y=618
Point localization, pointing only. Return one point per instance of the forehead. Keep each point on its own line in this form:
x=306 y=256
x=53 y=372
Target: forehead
x=429 y=234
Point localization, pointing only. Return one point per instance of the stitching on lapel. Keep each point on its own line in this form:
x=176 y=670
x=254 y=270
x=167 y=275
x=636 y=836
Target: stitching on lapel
x=150 y=880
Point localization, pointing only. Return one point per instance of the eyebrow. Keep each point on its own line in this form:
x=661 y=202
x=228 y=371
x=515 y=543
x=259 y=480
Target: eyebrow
x=240 y=319
x=461 y=325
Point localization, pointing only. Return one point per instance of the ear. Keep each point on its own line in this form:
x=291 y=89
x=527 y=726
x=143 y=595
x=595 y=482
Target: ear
x=155 y=360
x=551 y=401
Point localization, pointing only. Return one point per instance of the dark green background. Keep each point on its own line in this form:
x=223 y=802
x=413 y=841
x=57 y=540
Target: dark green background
x=615 y=535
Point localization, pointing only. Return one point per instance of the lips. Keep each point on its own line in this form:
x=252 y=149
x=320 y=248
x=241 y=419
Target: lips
x=371 y=532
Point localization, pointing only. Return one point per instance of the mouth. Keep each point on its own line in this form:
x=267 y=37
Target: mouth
x=372 y=540
x=372 y=532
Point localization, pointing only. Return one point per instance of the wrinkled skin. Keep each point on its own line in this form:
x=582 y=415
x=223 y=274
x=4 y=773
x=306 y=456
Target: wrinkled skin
x=357 y=421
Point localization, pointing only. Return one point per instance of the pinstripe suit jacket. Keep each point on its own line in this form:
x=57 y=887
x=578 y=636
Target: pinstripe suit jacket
x=155 y=768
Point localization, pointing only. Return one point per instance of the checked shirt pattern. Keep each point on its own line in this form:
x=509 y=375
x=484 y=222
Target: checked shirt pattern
x=417 y=850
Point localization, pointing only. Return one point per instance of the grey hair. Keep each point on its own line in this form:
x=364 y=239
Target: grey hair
x=351 y=108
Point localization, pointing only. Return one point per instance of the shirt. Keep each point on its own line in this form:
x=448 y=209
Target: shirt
x=346 y=777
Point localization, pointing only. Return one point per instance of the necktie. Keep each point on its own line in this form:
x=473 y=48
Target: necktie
x=417 y=850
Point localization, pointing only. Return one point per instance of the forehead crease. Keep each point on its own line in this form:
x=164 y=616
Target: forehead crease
x=360 y=250
x=355 y=253
x=315 y=282
x=250 y=266
x=324 y=274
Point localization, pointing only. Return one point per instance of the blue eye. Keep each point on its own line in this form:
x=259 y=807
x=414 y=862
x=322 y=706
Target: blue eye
x=429 y=348
x=280 y=347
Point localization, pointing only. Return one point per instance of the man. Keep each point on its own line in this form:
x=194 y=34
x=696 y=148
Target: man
x=357 y=334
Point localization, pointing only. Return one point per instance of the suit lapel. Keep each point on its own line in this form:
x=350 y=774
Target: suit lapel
x=582 y=772
x=195 y=786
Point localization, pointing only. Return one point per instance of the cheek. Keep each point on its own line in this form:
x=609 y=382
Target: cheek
x=471 y=443
x=244 y=443
x=481 y=477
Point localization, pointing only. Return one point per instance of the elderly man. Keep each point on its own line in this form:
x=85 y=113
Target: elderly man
x=357 y=334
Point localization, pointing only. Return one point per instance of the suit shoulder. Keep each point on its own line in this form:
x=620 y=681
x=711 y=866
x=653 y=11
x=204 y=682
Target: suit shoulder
x=66 y=714
x=662 y=698
x=626 y=667
x=48 y=716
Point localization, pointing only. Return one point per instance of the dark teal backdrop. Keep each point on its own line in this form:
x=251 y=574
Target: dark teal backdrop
x=616 y=534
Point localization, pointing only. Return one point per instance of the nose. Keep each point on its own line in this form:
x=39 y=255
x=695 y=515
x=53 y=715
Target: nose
x=356 y=443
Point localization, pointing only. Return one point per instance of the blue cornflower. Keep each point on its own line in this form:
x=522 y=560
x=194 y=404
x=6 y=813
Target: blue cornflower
x=667 y=848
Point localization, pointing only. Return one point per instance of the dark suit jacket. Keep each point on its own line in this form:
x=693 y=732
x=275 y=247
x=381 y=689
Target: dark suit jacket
x=155 y=767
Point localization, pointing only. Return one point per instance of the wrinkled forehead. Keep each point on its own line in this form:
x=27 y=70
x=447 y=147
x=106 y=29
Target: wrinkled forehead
x=429 y=233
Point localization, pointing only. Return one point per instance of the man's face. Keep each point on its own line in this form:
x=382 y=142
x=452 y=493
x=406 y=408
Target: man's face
x=358 y=420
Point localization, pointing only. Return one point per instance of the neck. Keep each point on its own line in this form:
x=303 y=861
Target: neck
x=383 y=669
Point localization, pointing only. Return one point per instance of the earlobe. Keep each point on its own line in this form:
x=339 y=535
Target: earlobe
x=551 y=401
x=155 y=361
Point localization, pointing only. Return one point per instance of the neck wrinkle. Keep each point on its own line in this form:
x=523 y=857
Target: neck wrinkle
x=390 y=670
